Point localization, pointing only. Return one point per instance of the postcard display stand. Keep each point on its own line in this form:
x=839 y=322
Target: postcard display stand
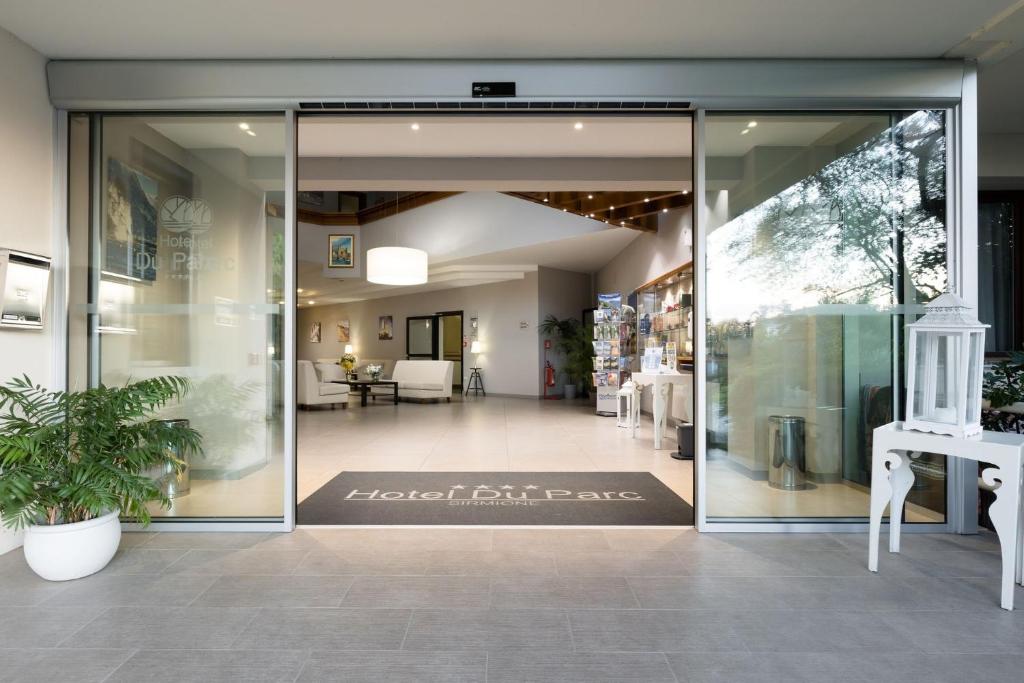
x=614 y=345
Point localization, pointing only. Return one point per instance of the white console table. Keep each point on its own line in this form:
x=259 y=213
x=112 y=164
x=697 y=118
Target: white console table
x=892 y=477
x=661 y=385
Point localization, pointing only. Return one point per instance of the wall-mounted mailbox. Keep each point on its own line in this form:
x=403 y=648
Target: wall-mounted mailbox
x=24 y=279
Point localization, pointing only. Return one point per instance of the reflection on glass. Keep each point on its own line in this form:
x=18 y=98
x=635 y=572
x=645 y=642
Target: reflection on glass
x=997 y=254
x=822 y=231
x=186 y=280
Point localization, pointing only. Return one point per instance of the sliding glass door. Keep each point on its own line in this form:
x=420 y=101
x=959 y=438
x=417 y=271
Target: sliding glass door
x=825 y=234
x=178 y=268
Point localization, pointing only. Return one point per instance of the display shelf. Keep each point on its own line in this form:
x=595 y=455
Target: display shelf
x=665 y=315
x=614 y=347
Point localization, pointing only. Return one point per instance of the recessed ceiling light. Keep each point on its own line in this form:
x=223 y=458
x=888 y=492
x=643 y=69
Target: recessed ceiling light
x=300 y=290
x=686 y=192
x=744 y=131
x=311 y=303
x=545 y=200
x=578 y=125
x=606 y=221
x=281 y=302
x=611 y=208
x=752 y=124
x=646 y=199
x=249 y=132
x=590 y=215
x=622 y=222
x=664 y=210
x=243 y=125
x=415 y=126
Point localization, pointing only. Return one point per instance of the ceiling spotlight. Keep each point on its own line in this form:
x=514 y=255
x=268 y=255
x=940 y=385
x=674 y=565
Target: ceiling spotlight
x=686 y=192
x=664 y=210
x=565 y=209
x=622 y=222
x=646 y=199
x=249 y=132
x=744 y=131
x=752 y=124
x=611 y=208
x=590 y=196
x=281 y=302
x=300 y=290
x=545 y=200
x=590 y=215
x=606 y=221
x=415 y=126
x=311 y=303
x=578 y=125
x=243 y=125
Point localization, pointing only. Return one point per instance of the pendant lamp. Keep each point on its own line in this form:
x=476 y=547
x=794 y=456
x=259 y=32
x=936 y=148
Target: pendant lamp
x=396 y=266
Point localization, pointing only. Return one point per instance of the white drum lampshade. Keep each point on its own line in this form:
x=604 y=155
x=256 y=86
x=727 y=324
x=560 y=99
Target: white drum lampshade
x=945 y=360
x=475 y=347
x=396 y=266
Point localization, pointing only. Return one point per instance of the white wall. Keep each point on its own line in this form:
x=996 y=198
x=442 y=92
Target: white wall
x=26 y=195
x=650 y=256
x=509 y=361
x=563 y=294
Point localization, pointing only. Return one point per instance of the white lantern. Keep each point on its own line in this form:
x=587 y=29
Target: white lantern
x=946 y=355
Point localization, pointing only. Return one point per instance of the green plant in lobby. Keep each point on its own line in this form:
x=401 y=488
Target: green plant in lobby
x=71 y=463
x=572 y=339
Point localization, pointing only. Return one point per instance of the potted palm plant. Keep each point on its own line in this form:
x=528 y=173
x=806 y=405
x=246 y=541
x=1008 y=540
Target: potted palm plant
x=573 y=340
x=72 y=463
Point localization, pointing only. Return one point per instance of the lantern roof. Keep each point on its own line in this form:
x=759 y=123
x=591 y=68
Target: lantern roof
x=948 y=311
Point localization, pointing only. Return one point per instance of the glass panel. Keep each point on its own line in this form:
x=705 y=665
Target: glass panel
x=975 y=357
x=186 y=279
x=995 y=269
x=821 y=230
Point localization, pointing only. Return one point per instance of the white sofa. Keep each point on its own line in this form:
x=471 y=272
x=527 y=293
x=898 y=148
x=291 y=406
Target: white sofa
x=421 y=379
x=312 y=389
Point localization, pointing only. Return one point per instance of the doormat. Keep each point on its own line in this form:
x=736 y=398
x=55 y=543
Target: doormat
x=501 y=498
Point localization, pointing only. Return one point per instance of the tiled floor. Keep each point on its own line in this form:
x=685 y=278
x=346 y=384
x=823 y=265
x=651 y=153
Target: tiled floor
x=515 y=605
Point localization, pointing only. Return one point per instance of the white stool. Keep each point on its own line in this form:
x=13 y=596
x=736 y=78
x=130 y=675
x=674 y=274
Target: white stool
x=627 y=408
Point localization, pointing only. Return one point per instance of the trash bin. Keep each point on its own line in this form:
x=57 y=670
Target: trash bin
x=171 y=483
x=684 y=441
x=787 y=461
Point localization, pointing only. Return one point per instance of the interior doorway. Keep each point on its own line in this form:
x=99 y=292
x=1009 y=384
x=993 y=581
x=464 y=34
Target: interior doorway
x=522 y=219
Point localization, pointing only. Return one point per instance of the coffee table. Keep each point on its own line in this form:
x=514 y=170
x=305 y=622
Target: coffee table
x=364 y=387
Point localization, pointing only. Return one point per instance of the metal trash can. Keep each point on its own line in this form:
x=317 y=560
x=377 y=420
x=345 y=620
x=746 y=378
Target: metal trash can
x=787 y=461
x=171 y=483
x=684 y=442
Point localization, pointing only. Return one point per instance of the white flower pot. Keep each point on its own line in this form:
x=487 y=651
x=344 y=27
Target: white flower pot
x=70 y=551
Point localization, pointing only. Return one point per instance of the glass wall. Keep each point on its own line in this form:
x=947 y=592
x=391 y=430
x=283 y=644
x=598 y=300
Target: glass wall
x=825 y=234
x=177 y=234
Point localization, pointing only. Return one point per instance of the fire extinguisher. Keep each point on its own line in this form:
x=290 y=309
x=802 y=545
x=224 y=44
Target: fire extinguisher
x=549 y=374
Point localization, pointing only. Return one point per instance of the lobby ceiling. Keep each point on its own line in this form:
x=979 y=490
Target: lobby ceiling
x=529 y=29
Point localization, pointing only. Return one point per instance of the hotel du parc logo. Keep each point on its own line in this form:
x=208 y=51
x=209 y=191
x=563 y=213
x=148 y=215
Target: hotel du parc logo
x=505 y=495
x=186 y=241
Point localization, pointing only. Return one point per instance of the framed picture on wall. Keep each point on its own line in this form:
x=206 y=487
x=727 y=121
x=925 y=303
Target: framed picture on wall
x=130 y=239
x=341 y=251
x=344 y=331
x=314 y=333
x=385 y=328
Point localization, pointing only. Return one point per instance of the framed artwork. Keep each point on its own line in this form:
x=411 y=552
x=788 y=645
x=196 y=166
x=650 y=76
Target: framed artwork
x=130 y=238
x=311 y=198
x=344 y=331
x=385 y=328
x=341 y=251
x=314 y=333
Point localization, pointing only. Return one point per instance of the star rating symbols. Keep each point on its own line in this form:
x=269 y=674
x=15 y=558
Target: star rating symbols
x=458 y=486
x=483 y=486
x=506 y=487
x=530 y=487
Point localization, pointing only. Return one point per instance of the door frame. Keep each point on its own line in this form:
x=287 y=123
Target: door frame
x=433 y=338
x=462 y=345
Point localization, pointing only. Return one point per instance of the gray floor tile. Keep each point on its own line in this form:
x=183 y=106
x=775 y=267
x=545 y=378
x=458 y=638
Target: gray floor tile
x=619 y=563
x=274 y=591
x=136 y=539
x=409 y=540
x=31 y=665
x=746 y=667
x=491 y=563
x=110 y=590
x=665 y=540
x=816 y=631
x=143 y=560
x=706 y=592
x=220 y=540
x=987 y=629
x=326 y=629
x=570 y=667
x=561 y=540
x=440 y=630
x=651 y=631
x=780 y=543
x=171 y=628
x=338 y=563
x=546 y=592
x=43 y=627
x=409 y=592
x=205 y=666
x=19 y=585
x=396 y=667
x=238 y=562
